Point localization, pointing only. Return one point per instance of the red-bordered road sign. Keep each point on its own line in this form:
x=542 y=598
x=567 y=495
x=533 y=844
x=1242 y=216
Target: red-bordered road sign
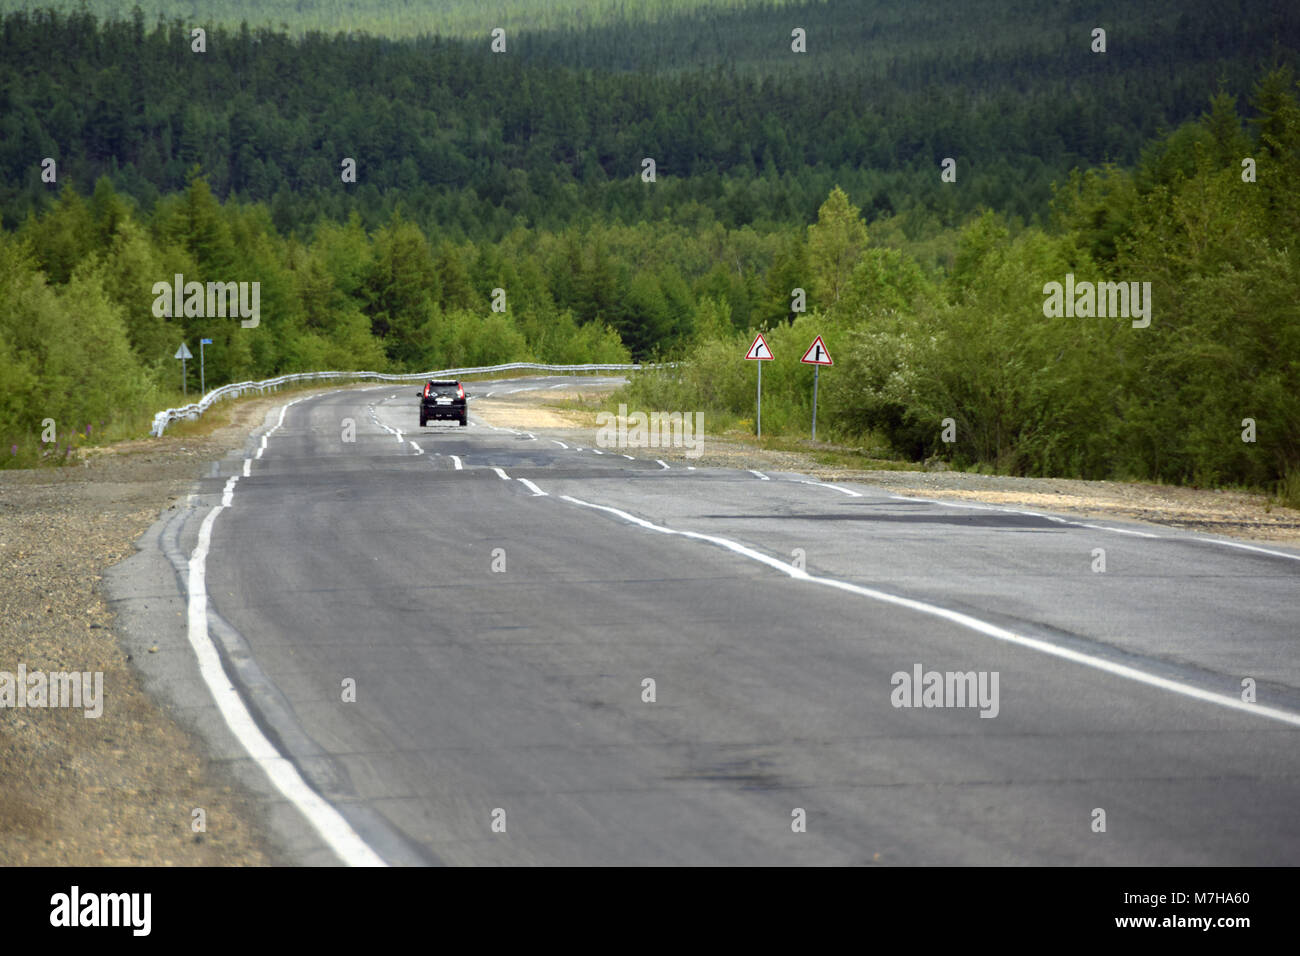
x=817 y=354
x=758 y=350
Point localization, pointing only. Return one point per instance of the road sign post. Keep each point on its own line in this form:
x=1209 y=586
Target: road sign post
x=203 y=383
x=760 y=353
x=816 y=356
x=183 y=353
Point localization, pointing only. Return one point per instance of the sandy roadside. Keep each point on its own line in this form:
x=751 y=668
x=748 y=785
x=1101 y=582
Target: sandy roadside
x=1232 y=514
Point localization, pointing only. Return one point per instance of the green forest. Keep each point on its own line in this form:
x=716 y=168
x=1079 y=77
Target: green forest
x=774 y=171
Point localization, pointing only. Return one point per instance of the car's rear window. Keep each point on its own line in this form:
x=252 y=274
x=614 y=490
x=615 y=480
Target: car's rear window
x=449 y=390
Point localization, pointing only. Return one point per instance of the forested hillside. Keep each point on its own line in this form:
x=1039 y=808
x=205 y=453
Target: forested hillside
x=515 y=180
x=404 y=18
x=469 y=142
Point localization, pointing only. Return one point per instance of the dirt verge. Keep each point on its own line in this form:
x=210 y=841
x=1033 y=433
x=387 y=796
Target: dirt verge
x=117 y=789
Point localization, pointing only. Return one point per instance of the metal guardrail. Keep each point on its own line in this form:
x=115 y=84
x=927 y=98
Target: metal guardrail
x=235 y=389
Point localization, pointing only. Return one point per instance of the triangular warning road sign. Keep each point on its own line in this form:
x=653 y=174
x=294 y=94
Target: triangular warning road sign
x=183 y=353
x=817 y=354
x=758 y=350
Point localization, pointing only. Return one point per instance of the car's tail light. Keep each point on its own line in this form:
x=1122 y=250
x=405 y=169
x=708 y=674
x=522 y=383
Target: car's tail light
x=460 y=391
x=426 y=390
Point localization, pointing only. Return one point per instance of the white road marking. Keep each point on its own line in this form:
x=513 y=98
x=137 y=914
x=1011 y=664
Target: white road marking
x=664 y=463
x=561 y=385
x=560 y=443
x=279 y=421
x=761 y=476
x=537 y=492
x=247 y=465
x=965 y=620
x=973 y=507
x=418 y=449
x=629 y=458
x=844 y=491
x=501 y=473
x=490 y=394
x=598 y=451
x=455 y=460
x=1248 y=547
x=328 y=822
x=1098 y=527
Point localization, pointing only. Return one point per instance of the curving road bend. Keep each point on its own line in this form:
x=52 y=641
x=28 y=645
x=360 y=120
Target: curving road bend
x=500 y=598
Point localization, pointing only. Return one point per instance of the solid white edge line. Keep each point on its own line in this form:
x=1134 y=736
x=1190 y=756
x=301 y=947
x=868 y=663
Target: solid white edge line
x=761 y=476
x=344 y=841
x=964 y=620
x=973 y=507
x=1248 y=547
x=537 y=492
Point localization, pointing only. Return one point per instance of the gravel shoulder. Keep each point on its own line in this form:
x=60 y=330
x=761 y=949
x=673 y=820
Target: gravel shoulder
x=118 y=789
x=1249 y=517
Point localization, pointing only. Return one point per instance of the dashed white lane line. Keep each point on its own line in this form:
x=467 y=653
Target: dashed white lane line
x=664 y=463
x=965 y=620
x=560 y=443
x=537 y=492
x=455 y=460
x=561 y=385
x=418 y=449
x=346 y=843
x=844 y=491
x=761 y=476
x=598 y=451
x=501 y=473
x=629 y=458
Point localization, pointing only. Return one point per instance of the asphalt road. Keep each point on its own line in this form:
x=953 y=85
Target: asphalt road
x=499 y=599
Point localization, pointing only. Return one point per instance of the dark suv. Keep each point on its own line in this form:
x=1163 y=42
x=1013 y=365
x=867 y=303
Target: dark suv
x=444 y=400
